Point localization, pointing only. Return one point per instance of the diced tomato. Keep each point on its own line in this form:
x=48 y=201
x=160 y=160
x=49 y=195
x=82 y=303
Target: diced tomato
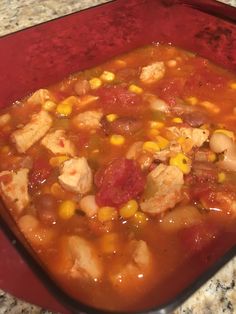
x=119 y=182
x=40 y=172
x=198 y=237
x=119 y=99
x=170 y=89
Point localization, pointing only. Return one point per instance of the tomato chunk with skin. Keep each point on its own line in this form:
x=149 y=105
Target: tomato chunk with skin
x=119 y=99
x=40 y=172
x=118 y=182
x=171 y=89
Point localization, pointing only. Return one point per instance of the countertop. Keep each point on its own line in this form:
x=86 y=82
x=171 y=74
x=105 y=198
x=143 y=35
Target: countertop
x=218 y=295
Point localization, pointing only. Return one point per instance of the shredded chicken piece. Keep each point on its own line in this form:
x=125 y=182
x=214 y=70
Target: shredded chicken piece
x=88 y=120
x=86 y=259
x=39 y=97
x=152 y=72
x=197 y=135
x=33 y=131
x=139 y=264
x=14 y=189
x=76 y=175
x=173 y=149
x=164 y=185
x=58 y=143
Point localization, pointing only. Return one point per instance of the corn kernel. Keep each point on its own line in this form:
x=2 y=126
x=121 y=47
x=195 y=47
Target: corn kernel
x=221 y=177
x=228 y=133
x=210 y=106
x=211 y=157
x=58 y=160
x=181 y=161
x=109 y=243
x=64 y=109
x=139 y=219
x=117 y=139
x=181 y=140
x=192 y=100
x=49 y=105
x=129 y=209
x=107 y=76
x=156 y=124
x=162 y=142
x=106 y=213
x=177 y=120
x=95 y=83
x=233 y=85
x=111 y=117
x=150 y=146
x=152 y=133
x=135 y=89
x=67 y=209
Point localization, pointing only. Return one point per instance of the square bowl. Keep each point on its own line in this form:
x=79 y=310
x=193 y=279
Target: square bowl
x=47 y=53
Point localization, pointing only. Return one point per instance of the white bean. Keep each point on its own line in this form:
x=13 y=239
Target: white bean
x=34 y=232
x=180 y=217
x=229 y=160
x=88 y=205
x=219 y=142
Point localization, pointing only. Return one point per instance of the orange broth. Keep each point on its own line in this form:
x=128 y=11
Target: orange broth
x=129 y=256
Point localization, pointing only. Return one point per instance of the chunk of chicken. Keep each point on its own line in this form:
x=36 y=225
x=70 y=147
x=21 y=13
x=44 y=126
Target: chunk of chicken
x=76 y=175
x=33 y=131
x=14 y=189
x=173 y=149
x=197 y=135
x=39 y=97
x=152 y=72
x=163 y=191
x=58 y=143
x=88 y=120
x=4 y=119
x=137 y=267
x=86 y=259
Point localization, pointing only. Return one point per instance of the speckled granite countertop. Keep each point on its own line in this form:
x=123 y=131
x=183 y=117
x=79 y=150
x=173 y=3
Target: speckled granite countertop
x=218 y=295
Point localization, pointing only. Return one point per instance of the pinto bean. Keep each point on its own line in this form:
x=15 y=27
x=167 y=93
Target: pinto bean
x=81 y=87
x=46 y=206
x=195 y=119
x=123 y=126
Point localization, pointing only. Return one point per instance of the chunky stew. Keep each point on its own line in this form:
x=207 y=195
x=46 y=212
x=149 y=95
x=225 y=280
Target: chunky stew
x=122 y=178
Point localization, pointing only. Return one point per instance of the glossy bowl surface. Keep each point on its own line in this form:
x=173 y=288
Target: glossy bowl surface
x=44 y=54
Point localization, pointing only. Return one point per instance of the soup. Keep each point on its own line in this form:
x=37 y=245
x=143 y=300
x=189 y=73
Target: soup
x=122 y=177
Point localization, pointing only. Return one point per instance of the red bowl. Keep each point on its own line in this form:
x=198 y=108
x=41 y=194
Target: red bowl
x=44 y=54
